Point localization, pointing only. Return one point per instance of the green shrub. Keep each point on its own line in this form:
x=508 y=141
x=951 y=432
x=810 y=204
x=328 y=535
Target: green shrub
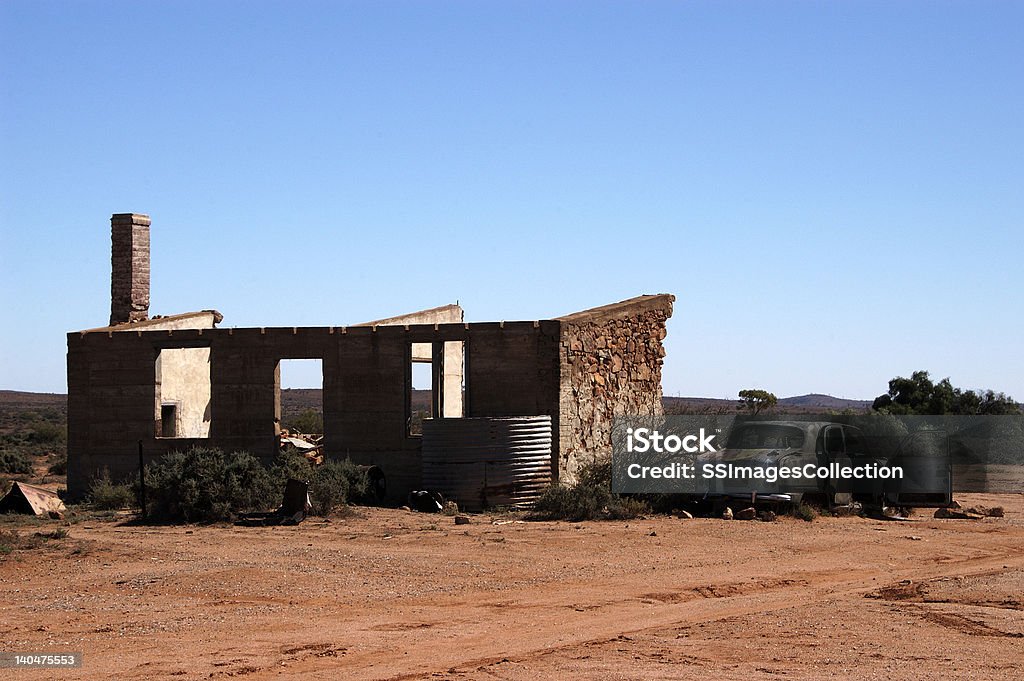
x=358 y=480
x=308 y=422
x=14 y=462
x=11 y=540
x=331 y=484
x=804 y=512
x=328 y=487
x=44 y=432
x=334 y=483
x=105 y=495
x=207 y=485
x=627 y=508
x=58 y=464
x=590 y=498
x=575 y=503
x=59 y=533
x=290 y=465
x=596 y=473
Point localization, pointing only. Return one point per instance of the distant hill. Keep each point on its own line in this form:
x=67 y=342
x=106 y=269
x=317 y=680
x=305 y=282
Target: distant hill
x=297 y=400
x=803 y=404
x=819 y=401
x=17 y=397
x=294 y=401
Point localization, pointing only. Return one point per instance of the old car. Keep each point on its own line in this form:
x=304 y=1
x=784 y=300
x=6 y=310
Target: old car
x=835 y=462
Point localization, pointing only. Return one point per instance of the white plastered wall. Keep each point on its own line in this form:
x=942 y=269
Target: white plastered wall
x=183 y=379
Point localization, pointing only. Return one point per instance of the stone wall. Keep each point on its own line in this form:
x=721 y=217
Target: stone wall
x=611 y=361
x=129 y=268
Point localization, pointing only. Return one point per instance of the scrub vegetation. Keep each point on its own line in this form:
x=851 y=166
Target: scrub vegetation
x=208 y=485
x=591 y=498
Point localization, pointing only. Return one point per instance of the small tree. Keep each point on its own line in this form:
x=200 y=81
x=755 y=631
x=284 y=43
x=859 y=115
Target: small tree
x=920 y=395
x=309 y=422
x=756 y=400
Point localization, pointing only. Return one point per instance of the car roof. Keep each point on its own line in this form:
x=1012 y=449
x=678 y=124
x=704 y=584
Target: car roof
x=803 y=425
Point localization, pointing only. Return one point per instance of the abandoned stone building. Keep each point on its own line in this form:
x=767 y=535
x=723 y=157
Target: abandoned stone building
x=514 y=405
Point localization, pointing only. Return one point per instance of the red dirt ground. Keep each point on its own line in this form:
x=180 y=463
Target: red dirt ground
x=391 y=594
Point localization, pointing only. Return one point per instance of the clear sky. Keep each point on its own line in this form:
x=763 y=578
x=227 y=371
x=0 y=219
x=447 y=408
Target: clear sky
x=834 y=191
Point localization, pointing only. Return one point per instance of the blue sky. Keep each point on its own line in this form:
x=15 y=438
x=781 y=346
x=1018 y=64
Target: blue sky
x=832 y=190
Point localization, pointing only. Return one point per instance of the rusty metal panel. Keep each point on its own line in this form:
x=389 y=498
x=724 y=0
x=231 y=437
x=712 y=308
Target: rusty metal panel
x=26 y=498
x=487 y=462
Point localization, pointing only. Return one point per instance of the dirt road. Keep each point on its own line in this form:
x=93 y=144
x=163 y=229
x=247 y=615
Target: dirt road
x=391 y=594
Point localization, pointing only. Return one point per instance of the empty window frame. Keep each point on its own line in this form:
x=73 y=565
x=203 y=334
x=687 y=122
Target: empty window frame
x=169 y=420
x=435 y=383
x=298 y=397
x=453 y=379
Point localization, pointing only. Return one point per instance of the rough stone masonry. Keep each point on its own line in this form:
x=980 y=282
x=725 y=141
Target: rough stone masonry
x=129 y=268
x=611 y=366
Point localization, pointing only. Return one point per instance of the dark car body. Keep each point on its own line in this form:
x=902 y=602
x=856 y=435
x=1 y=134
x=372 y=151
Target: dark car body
x=828 y=444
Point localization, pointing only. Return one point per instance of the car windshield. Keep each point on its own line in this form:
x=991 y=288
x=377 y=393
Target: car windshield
x=765 y=436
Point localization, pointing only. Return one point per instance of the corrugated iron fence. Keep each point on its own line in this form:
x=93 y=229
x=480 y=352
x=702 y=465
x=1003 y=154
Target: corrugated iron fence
x=487 y=462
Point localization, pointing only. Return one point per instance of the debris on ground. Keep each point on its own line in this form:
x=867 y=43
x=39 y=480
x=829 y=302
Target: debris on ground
x=378 y=484
x=954 y=514
x=850 y=509
x=293 y=510
x=31 y=500
x=994 y=512
x=462 y=520
x=895 y=513
x=425 y=501
x=749 y=513
x=727 y=514
x=310 y=446
x=296 y=502
x=957 y=512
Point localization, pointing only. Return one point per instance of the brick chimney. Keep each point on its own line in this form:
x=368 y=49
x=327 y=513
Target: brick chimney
x=129 y=268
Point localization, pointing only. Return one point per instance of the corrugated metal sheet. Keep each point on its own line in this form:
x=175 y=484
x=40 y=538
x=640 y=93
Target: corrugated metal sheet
x=487 y=462
x=26 y=498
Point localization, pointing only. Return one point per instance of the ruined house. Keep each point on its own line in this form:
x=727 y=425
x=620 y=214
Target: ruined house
x=178 y=381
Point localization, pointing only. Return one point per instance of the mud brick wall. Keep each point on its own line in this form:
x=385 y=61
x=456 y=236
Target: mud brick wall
x=129 y=268
x=611 y=366
x=513 y=369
